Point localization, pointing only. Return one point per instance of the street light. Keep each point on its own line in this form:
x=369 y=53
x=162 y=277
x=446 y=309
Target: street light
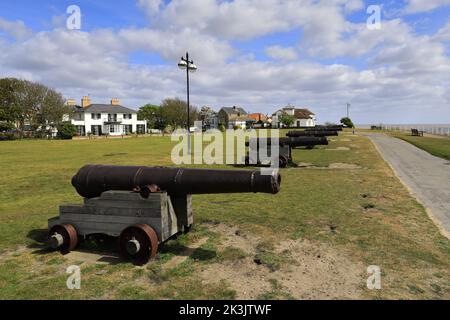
x=189 y=66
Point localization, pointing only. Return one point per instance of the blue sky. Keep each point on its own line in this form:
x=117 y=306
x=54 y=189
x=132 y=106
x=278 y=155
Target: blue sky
x=259 y=55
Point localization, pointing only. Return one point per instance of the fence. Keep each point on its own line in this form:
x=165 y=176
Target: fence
x=440 y=130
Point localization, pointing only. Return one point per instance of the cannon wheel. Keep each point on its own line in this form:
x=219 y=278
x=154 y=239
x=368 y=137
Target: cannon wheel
x=138 y=243
x=68 y=236
x=283 y=162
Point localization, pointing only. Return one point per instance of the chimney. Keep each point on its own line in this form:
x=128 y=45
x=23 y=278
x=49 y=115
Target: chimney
x=71 y=102
x=85 y=102
x=115 y=102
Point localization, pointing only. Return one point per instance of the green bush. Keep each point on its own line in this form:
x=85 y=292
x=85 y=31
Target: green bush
x=66 y=131
x=222 y=128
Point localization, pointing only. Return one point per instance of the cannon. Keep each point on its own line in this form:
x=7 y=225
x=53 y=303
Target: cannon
x=321 y=127
x=311 y=133
x=326 y=128
x=144 y=206
x=285 y=148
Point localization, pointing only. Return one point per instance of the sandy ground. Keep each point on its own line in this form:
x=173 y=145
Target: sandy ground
x=427 y=177
x=312 y=271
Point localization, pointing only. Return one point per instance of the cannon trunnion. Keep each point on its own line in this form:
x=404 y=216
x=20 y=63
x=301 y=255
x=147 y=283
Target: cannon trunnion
x=118 y=203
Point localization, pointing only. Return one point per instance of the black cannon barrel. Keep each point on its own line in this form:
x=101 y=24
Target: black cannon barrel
x=293 y=141
x=319 y=133
x=326 y=128
x=321 y=127
x=92 y=180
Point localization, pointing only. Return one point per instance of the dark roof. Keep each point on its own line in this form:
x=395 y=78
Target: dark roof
x=302 y=114
x=234 y=110
x=298 y=113
x=107 y=108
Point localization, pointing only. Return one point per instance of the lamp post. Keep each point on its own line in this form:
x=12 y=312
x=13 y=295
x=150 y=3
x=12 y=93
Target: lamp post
x=189 y=66
x=348 y=107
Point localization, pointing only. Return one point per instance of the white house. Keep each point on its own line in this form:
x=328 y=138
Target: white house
x=303 y=117
x=101 y=119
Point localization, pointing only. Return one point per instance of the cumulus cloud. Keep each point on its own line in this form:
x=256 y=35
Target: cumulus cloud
x=281 y=53
x=416 y=6
x=17 y=29
x=403 y=74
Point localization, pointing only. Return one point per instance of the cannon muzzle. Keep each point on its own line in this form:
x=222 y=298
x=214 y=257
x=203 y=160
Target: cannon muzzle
x=311 y=133
x=307 y=141
x=92 y=180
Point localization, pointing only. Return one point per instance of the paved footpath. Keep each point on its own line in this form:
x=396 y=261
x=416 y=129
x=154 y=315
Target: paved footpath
x=427 y=176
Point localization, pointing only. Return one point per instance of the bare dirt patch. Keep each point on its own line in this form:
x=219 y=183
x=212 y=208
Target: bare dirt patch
x=339 y=165
x=304 y=165
x=338 y=149
x=312 y=271
x=183 y=256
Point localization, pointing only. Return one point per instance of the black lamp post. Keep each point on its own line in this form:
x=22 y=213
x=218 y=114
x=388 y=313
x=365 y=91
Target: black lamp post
x=189 y=66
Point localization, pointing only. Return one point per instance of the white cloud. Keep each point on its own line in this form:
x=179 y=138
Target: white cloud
x=17 y=29
x=152 y=7
x=405 y=74
x=444 y=33
x=281 y=53
x=417 y=6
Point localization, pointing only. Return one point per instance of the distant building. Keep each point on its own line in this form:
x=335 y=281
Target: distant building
x=101 y=119
x=303 y=117
x=261 y=120
x=234 y=116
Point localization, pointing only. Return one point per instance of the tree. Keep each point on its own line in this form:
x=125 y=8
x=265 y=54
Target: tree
x=152 y=114
x=66 y=130
x=24 y=102
x=173 y=112
x=287 y=120
x=347 y=122
x=9 y=102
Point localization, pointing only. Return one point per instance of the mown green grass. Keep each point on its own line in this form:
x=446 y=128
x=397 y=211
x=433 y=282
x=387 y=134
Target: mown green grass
x=365 y=212
x=439 y=147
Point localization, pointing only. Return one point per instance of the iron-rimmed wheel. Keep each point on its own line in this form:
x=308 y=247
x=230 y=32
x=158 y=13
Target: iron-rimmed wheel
x=63 y=237
x=283 y=162
x=138 y=243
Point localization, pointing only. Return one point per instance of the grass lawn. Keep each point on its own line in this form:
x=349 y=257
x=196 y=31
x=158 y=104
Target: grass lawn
x=339 y=212
x=438 y=146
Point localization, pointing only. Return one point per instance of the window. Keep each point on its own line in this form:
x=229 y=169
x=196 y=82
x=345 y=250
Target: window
x=140 y=129
x=96 y=130
x=112 y=117
x=128 y=129
x=80 y=130
x=127 y=116
x=95 y=116
x=111 y=129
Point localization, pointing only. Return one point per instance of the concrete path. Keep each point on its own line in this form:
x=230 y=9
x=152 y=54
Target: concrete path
x=426 y=176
